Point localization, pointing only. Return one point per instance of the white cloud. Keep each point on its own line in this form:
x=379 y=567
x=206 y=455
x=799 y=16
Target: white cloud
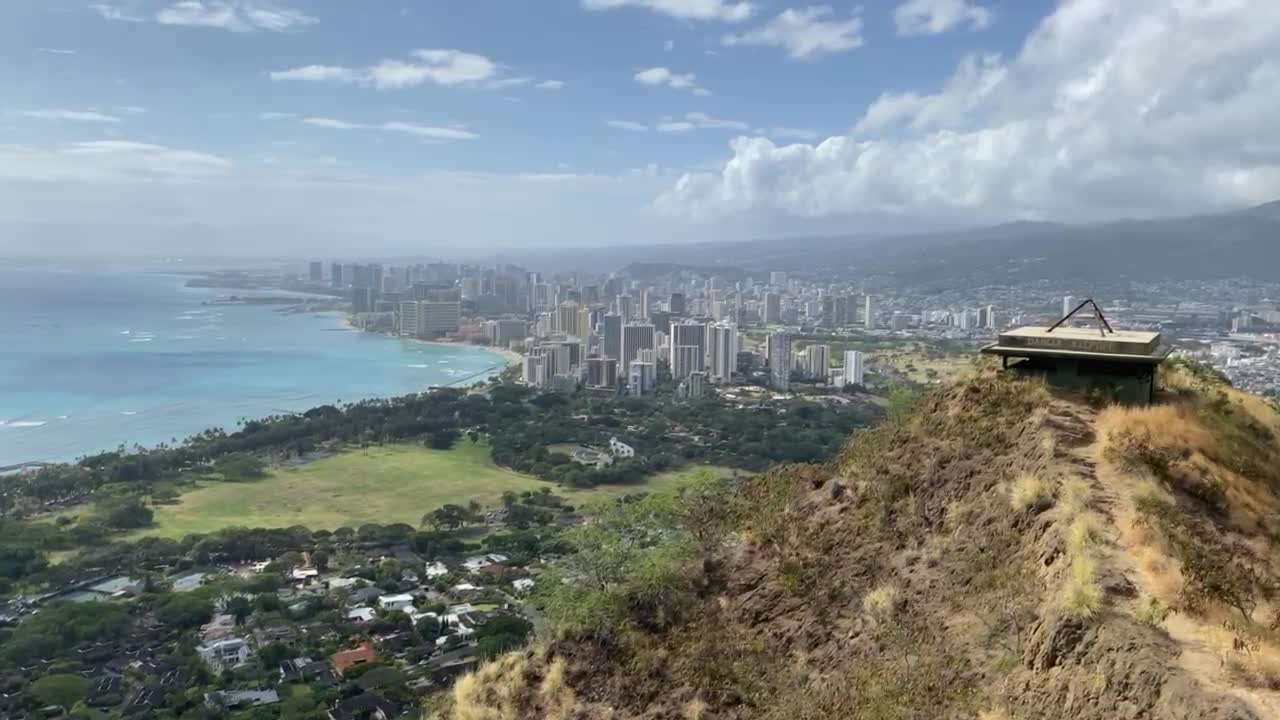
x=276 y=116
x=698 y=121
x=317 y=73
x=626 y=125
x=669 y=45
x=550 y=85
x=71 y=116
x=115 y=12
x=805 y=33
x=330 y=123
x=108 y=160
x=240 y=16
x=56 y=51
x=429 y=132
x=440 y=67
x=658 y=76
x=1140 y=108
x=723 y=10
x=974 y=82
x=132 y=109
x=930 y=17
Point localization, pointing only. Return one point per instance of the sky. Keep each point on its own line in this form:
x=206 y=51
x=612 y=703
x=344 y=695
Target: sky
x=444 y=127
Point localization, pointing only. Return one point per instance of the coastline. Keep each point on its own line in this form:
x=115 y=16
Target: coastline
x=511 y=357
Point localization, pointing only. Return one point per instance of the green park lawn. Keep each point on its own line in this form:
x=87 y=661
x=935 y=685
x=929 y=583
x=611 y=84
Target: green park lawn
x=387 y=484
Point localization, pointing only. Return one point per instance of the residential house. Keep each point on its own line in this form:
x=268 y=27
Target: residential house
x=362 y=614
x=346 y=659
x=522 y=584
x=239 y=699
x=396 y=602
x=366 y=706
x=478 y=562
x=221 y=627
x=224 y=654
x=621 y=449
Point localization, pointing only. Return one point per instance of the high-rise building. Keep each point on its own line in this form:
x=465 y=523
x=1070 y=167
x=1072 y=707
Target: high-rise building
x=602 y=372
x=533 y=370
x=814 y=361
x=613 y=336
x=363 y=300
x=675 y=304
x=624 y=308
x=642 y=378
x=899 y=321
x=317 y=271
x=686 y=360
x=1068 y=304
x=777 y=278
x=773 y=307
x=645 y=297
x=722 y=351
x=635 y=337
x=779 y=355
x=502 y=332
x=566 y=318
x=991 y=321
x=690 y=334
x=692 y=387
x=408 y=321
x=854 y=372
x=438 y=318
x=335 y=275
x=869 y=313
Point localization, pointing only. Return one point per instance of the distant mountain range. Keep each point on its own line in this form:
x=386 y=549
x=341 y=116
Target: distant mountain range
x=1244 y=243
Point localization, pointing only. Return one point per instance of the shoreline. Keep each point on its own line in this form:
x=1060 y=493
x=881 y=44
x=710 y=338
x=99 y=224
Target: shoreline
x=511 y=357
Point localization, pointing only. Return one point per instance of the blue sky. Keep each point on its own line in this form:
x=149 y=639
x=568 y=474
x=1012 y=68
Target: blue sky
x=316 y=126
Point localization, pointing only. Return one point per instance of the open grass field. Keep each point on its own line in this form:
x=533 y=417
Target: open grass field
x=389 y=484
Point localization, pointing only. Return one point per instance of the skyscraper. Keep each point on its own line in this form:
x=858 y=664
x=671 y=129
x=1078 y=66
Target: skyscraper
x=644 y=305
x=690 y=334
x=613 y=336
x=686 y=360
x=675 y=305
x=1068 y=304
x=777 y=278
x=635 y=337
x=602 y=372
x=642 y=379
x=815 y=360
x=317 y=271
x=624 y=308
x=722 y=350
x=854 y=373
x=335 y=274
x=869 y=313
x=779 y=352
x=772 y=307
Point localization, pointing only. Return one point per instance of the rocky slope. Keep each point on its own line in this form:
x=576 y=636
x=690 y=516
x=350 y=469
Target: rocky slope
x=997 y=552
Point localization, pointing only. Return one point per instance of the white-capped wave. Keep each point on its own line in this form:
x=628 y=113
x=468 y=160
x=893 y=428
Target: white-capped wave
x=128 y=412
x=142 y=339
x=418 y=365
x=125 y=332
x=29 y=423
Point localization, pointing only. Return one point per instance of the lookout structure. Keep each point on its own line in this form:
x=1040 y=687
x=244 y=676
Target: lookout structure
x=1123 y=362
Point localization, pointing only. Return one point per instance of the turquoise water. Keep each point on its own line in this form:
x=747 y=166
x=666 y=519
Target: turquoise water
x=90 y=360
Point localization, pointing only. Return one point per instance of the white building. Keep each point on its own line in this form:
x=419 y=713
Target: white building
x=362 y=614
x=224 y=654
x=869 y=313
x=621 y=449
x=722 y=352
x=814 y=361
x=854 y=371
x=778 y=350
x=643 y=378
x=396 y=602
x=436 y=569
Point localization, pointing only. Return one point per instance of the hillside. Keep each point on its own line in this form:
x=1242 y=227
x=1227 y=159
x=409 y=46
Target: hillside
x=996 y=552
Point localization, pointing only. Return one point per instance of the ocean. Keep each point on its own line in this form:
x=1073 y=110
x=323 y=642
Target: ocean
x=90 y=360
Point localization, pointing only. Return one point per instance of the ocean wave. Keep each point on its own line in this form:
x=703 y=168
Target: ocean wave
x=418 y=365
x=29 y=423
x=125 y=332
x=128 y=412
x=142 y=339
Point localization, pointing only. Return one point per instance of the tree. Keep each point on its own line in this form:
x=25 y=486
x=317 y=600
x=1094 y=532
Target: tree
x=126 y=514
x=240 y=466
x=320 y=559
x=272 y=654
x=61 y=690
x=240 y=607
x=442 y=439
x=185 y=611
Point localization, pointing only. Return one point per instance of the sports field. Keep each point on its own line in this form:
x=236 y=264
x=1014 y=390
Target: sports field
x=389 y=484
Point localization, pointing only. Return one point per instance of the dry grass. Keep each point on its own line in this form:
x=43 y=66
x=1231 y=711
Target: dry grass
x=881 y=602
x=695 y=709
x=503 y=690
x=1030 y=491
x=1150 y=611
